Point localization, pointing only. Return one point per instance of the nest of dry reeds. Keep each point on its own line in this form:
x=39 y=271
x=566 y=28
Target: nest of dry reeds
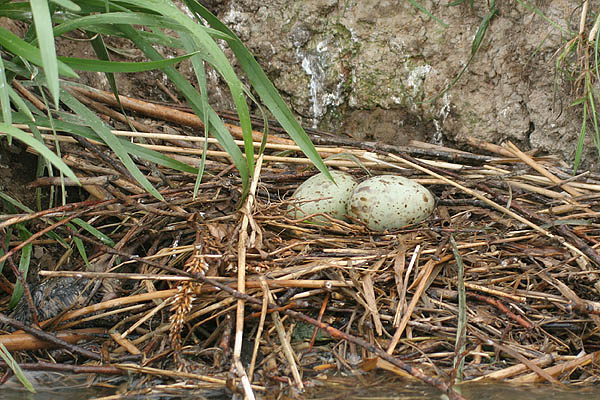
x=213 y=292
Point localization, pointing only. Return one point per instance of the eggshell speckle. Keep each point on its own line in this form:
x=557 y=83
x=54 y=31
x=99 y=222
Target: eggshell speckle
x=319 y=195
x=389 y=202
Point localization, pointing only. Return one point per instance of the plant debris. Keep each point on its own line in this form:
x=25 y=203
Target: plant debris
x=224 y=292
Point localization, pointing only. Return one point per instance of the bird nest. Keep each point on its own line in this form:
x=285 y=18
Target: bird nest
x=218 y=291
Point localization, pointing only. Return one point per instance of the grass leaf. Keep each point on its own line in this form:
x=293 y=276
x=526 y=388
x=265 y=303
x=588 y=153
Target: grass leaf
x=216 y=58
x=14 y=367
x=265 y=89
x=539 y=12
x=20 y=104
x=198 y=64
x=6 y=239
x=95 y=232
x=579 y=149
x=128 y=18
x=24 y=263
x=82 y=252
x=16 y=45
x=45 y=38
x=428 y=13
x=5 y=95
x=67 y=4
x=216 y=126
x=98 y=126
x=120 y=66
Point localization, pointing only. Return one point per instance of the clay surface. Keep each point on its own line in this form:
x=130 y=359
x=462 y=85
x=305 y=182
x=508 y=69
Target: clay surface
x=370 y=68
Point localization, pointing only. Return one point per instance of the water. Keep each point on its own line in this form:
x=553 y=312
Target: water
x=374 y=386
x=383 y=387
x=52 y=386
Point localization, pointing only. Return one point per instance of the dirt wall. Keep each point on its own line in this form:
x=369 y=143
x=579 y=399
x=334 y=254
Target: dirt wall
x=371 y=68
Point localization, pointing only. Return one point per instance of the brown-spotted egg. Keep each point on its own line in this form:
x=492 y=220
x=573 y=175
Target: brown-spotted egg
x=389 y=202
x=318 y=194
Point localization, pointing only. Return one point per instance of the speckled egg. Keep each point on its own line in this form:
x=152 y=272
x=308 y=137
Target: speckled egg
x=318 y=194
x=389 y=202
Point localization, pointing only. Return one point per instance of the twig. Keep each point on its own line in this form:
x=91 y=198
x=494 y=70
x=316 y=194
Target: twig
x=241 y=275
x=461 y=327
x=427 y=269
x=49 y=338
x=285 y=345
x=435 y=382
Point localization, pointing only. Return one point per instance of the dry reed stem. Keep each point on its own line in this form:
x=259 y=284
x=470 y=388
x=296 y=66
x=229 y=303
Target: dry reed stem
x=26 y=341
x=340 y=270
x=529 y=161
x=427 y=270
x=261 y=325
x=563 y=368
x=517 y=369
x=285 y=344
x=243 y=242
x=507 y=348
x=178 y=374
x=123 y=342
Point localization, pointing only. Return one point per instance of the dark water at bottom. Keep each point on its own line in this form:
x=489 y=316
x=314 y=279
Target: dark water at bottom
x=375 y=386
x=391 y=388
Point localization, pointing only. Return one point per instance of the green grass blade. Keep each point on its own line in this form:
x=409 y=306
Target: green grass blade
x=592 y=103
x=45 y=38
x=82 y=252
x=117 y=18
x=16 y=45
x=198 y=65
x=67 y=4
x=20 y=104
x=536 y=10
x=24 y=263
x=12 y=209
x=157 y=157
x=16 y=10
x=265 y=89
x=15 y=203
x=42 y=166
x=479 y=35
x=216 y=127
x=5 y=95
x=217 y=58
x=102 y=53
x=94 y=122
x=485 y=23
x=7 y=236
x=95 y=232
x=427 y=12
x=86 y=64
x=596 y=45
x=39 y=147
x=132 y=148
x=14 y=367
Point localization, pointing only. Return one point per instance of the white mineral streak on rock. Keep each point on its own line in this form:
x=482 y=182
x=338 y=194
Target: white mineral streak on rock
x=438 y=135
x=416 y=77
x=316 y=63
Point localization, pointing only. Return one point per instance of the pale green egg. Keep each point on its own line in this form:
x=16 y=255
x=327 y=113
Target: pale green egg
x=318 y=194
x=389 y=202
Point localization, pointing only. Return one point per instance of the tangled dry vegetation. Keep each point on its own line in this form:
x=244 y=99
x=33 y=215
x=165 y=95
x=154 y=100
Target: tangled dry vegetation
x=214 y=292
